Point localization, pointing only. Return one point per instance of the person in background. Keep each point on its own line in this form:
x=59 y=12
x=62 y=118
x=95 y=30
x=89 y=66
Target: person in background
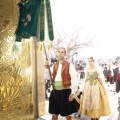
x=105 y=72
x=47 y=80
x=65 y=84
x=117 y=77
x=110 y=74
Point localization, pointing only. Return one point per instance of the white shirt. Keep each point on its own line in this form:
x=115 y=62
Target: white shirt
x=119 y=69
x=112 y=72
x=73 y=74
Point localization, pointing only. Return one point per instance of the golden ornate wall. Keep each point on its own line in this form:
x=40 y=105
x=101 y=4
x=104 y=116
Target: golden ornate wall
x=15 y=68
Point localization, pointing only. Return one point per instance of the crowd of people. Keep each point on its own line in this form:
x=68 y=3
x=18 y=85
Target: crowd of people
x=94 y=102
x=110 y=72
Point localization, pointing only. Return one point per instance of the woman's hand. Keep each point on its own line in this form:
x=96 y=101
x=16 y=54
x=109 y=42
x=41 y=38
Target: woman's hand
x=87 y=79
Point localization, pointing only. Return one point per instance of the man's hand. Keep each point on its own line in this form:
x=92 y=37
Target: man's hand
x=71 y=97
x=47 y=62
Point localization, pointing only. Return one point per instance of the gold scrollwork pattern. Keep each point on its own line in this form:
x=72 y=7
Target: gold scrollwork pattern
x=16 y=102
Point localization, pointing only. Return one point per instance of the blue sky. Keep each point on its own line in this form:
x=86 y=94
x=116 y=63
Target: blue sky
x=96 y=17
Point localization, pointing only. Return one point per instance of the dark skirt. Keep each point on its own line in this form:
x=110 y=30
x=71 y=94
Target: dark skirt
x=61 y=105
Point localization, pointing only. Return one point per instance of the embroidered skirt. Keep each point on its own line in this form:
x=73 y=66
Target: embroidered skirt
x=94 y=102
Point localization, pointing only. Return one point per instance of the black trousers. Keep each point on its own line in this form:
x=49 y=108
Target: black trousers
x=117 y=86
x=111 y=80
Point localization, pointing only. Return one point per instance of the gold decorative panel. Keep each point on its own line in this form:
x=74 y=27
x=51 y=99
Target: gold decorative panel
x=16 y=102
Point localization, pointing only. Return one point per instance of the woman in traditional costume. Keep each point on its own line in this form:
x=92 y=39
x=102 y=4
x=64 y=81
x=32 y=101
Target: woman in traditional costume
x=94 y=102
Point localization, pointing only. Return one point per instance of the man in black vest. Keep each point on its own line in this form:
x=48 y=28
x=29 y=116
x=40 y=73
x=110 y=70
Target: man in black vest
x=117 y=76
